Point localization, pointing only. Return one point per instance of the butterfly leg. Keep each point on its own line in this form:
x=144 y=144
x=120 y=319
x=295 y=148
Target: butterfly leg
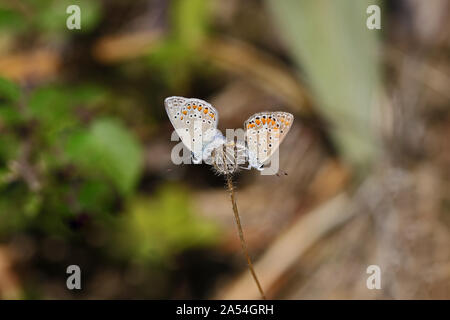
x=196 y=159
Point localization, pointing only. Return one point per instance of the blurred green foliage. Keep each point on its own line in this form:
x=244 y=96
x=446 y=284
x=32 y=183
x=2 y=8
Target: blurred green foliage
x=177 y=56
x=63 y=157
x=47 y=16
x=329 y=40
x=9 y=91
x=11 y=20
x=72 y=151
x=112 y=150
x=159 y=228
x=36 y=177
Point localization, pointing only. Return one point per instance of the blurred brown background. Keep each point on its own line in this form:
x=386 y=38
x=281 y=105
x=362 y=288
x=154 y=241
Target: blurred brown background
x=86 y=176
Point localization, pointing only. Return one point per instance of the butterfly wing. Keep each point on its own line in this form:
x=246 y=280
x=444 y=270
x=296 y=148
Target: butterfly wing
x=264 y=132
x=194 y=120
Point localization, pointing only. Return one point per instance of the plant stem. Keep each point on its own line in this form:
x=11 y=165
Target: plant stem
x=241 y=234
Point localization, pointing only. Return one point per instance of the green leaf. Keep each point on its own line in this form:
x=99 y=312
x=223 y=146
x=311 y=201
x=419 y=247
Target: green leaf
x=178 y=55
x=190 y=19
x=11 y=20
x=53 y=108
x=108 y=147
x=53 y=16
x=156 y=229
x=88 y=94
x=329 y=40
x=9 y=90
x=94 y=196
x=9 y=115
x=9 y=148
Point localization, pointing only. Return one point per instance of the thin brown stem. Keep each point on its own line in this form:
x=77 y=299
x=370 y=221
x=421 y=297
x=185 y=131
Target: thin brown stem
x=241 y=234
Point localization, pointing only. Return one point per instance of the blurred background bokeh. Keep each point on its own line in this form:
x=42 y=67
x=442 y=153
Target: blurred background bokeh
x=86 y=176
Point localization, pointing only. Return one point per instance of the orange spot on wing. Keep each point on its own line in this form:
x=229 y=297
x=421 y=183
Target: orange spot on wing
x=181 y=118
x=211 y=115
x=264 y=121
x=199 y=108
x=257 y=121
x=184 y=112
x=189 y=107
x=194 y=106
x=205 y=111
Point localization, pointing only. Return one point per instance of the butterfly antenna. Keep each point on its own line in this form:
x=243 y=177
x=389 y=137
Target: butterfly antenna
x=241 y=234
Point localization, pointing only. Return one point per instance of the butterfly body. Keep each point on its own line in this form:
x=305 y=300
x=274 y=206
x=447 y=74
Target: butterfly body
x=195 y=122
x=229 y=158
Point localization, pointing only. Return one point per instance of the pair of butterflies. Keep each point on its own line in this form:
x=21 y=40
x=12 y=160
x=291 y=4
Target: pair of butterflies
x=195 y=122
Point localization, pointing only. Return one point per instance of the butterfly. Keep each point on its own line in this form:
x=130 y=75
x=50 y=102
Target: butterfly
x=195 y=121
